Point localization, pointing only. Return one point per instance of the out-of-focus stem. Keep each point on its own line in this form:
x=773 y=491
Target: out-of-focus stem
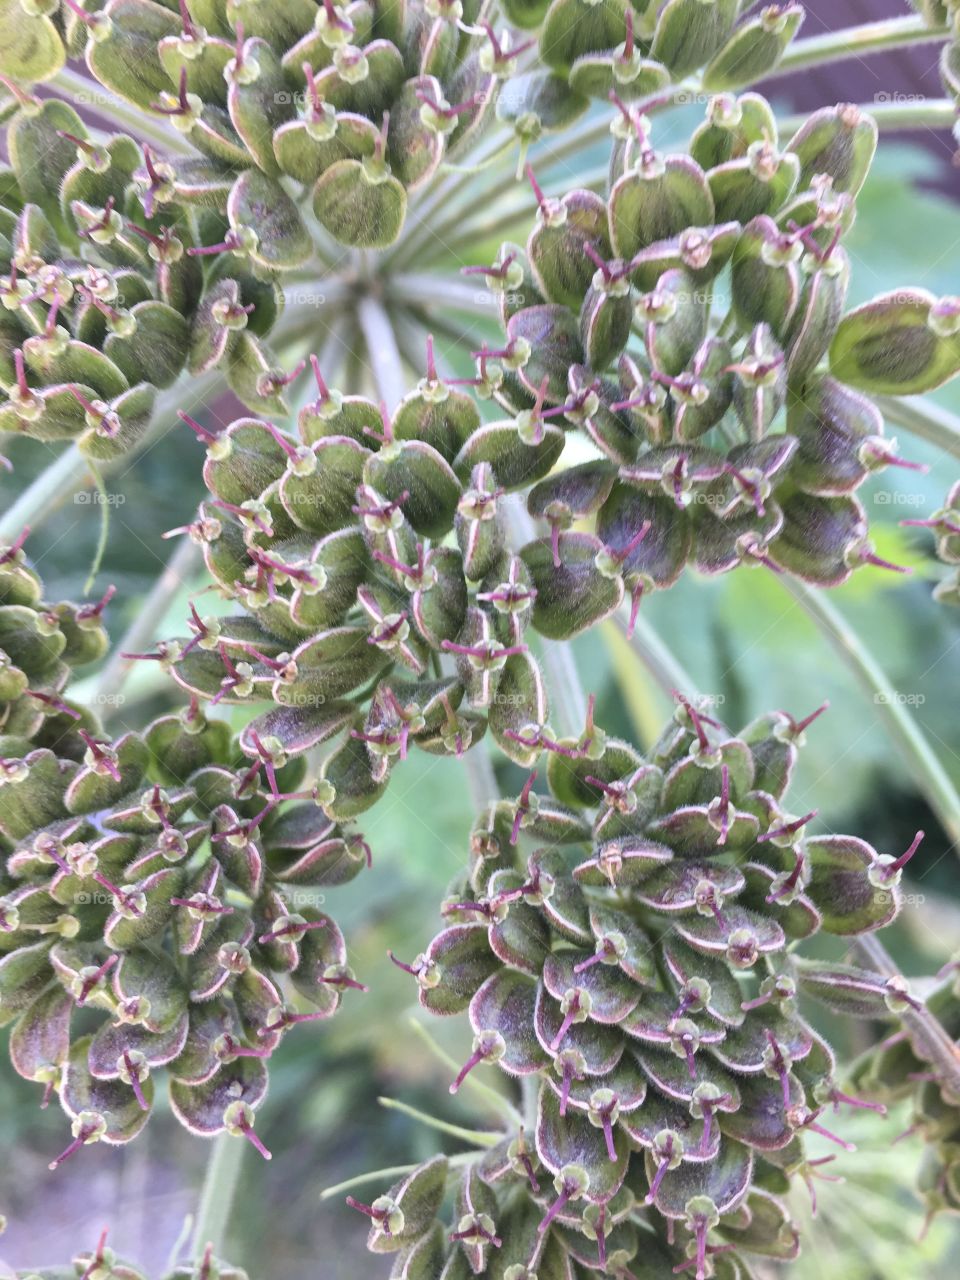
x=893 y=117
x=383 y=355
x=428 y=290
x=67 y=474
x=142 y=632
x=930 y=1039
x=923 y=418
x=502 y=1104
x=855 y=42
x=925 y=768
x=70 y=469
x=216 y=1198
x=464 y=226
x=51 y=487
x=449 y=188
x=659 y=660
x=89 y=93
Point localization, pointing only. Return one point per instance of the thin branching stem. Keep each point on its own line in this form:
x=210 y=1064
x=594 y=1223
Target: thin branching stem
x=141 y=633
x=856 y=42
x=898 y=720
x=392 y=1173
x=924 y=419
x=426 y=289
x=476 y=1137
x=655 y=654
x=461 y=228
x=892 y=117
x=71 y=469
x=931 y=1041
x=454 y=197
x=497 y=1100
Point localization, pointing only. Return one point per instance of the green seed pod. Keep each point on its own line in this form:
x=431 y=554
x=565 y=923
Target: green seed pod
x=690 y=32
x=899 y=344
x=839 y=142
x=754 y=48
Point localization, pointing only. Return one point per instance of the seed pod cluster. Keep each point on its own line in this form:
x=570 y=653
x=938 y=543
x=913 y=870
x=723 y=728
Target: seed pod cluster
x=734 y=434
x=945 y=525
x=626 y=942
x=161 y=882
x=102 y=1263
x=592 y=48
x=381 y=601
x=357 y=103
x=105 y=296
x=40 y=646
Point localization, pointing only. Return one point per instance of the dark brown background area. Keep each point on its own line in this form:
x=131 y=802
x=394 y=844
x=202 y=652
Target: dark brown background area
x=913 y=70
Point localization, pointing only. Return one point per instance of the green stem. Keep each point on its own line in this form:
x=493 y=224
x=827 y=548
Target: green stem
x=476 y=1137
x=932 y=1042
x=927 y=771
x=71 y=469
x=492 y=1097
x=449 y=195
x=383 y=355
x=930 y=113
x=216 y=1198
x=567 y=696
x=669 y=673
x=98 y=555
x=854 y=42
x=923 y=418
x=428 y=290
x=393 y=1172
x=543 y=156
x=87 y=93
x=142 y=632
x=40 y=499
x=481 y=779
x=459 y=232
